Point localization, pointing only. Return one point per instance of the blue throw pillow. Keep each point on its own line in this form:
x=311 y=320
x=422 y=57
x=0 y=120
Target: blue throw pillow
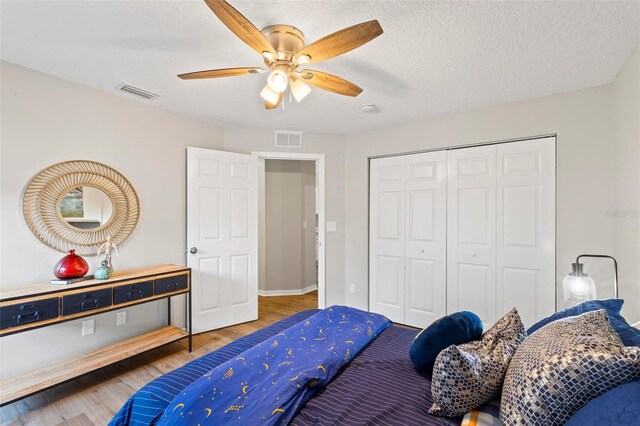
x=630 y=336
x=620 y=406
x=454 y=329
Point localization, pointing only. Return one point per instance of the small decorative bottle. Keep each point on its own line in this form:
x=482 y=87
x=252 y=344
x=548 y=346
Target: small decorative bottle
x=104 y=271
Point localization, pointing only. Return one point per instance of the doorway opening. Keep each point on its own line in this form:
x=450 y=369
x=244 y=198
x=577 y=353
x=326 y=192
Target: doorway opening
x=291 y=256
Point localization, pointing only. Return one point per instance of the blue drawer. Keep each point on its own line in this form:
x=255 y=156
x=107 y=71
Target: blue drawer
x=86 y=302
x=28 y=313
x=131 y=292
x=170 y=284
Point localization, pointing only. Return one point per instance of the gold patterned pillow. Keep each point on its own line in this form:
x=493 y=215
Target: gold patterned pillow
x=562 y=366
x=467 y=375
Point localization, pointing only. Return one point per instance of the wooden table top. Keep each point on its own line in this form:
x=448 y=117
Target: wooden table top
x=43 y=289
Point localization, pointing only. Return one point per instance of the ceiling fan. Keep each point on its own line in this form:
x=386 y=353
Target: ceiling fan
x=283 y=50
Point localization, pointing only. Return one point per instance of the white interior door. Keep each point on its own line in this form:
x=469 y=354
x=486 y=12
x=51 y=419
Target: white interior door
x=222 y=234
x=526 y=228
x=471 y=231
x=426 y=238
x=386 y=237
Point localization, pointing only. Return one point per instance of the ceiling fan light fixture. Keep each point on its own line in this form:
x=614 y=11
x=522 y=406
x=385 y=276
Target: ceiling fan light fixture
x=300 y=90
x=303 y=59
x=269 y=95
x=278 y=81
x=268 y=55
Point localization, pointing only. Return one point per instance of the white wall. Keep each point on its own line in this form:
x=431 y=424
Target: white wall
x=625 y=213
x=581 y=120
x=332 y=146
x=283 y=225
x=46 y=120
x=288 y=244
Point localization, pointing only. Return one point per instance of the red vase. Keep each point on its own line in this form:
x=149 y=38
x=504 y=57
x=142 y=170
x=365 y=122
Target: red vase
x=71 y=266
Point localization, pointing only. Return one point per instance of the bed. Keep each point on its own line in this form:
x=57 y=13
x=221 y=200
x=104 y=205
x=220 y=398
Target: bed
x=379 y=386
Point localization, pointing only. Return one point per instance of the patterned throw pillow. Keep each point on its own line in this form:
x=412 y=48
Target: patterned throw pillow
x=629 y=335
x=562 y=366
x=467 y=375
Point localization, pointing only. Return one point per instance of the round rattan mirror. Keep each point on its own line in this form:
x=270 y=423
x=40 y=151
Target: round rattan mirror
x=78 y=204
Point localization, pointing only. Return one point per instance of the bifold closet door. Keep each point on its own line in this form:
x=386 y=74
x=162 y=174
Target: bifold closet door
x=501 y=230
x=471 y=231
x=386 y=237
x=526 y=228
x=407 y=257
x=426 y=238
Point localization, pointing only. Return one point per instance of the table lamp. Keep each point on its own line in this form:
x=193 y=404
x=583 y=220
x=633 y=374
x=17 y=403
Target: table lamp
x=579 y=287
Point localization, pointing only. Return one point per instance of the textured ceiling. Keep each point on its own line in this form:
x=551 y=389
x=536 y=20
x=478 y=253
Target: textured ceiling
x=434 y=58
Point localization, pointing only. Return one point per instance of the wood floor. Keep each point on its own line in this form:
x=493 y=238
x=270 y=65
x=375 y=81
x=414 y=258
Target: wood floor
x=94 y=399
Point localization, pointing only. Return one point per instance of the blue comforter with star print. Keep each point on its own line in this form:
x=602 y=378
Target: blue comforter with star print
x=270 y=382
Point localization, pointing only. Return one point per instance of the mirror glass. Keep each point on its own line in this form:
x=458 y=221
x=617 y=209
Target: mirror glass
x=86 y=207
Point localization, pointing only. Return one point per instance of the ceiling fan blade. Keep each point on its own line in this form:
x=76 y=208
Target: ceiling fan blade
x=224 y=72
x=240 y=26
x=268 y=105
x=341 y=42
x=330 y=82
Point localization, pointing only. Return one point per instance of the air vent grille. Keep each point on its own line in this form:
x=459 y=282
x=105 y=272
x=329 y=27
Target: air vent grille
x=137 y=91
x=288 y=139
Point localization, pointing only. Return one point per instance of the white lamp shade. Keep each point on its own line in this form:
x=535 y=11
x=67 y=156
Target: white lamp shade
x=300 y=89
x=577 y=289
x=269 y=95
x=278 y=81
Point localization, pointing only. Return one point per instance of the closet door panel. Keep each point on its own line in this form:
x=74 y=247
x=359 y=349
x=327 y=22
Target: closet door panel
x=386 y=237
x=526 y=228
x=471 y=231
x=425 y=243
x=473 y=289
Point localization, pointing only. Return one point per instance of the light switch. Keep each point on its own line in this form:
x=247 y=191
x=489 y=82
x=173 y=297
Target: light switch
x=331 y=227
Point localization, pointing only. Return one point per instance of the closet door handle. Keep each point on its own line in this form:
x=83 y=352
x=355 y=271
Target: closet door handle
x=421 y=250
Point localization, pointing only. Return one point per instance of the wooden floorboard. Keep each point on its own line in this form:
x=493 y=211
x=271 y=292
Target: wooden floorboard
x=93 y=399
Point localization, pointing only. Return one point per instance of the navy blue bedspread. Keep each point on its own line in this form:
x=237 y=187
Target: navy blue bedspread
x=268 y=383
x=378 y=387
x=146 y=406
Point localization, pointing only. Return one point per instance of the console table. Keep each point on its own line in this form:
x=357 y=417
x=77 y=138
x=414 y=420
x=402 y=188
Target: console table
x=27 y=308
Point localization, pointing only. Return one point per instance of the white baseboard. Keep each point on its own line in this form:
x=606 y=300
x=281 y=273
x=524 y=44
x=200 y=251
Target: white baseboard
x=296 y=292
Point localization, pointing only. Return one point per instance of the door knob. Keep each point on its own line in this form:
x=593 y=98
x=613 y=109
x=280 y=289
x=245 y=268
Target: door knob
x=421 y=250
x=193 y=250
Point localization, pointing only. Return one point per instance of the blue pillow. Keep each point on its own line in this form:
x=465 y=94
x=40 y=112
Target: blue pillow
x=630 y=336
x=454 y=329
x=620 y=406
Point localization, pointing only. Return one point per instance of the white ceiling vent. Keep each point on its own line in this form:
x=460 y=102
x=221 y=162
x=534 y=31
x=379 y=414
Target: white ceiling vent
x=136 y=91
x=288 y=139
